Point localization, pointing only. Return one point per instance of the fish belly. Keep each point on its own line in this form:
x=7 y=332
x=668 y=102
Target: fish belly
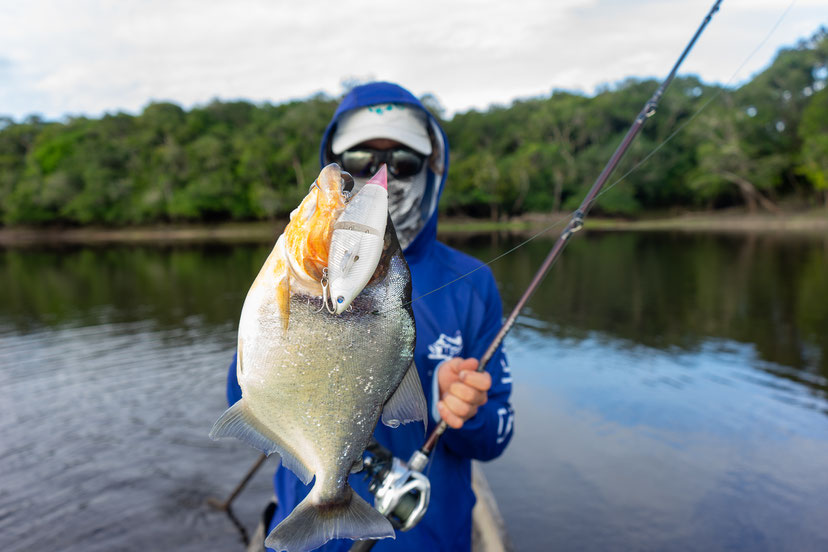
x=319 y=387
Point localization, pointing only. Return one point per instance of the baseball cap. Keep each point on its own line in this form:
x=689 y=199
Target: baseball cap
x=403 y=123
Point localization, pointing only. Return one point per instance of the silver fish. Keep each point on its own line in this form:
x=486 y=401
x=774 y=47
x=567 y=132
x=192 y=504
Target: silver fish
x=318 y=370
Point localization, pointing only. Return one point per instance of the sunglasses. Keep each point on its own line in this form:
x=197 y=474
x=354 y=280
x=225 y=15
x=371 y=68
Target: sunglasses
x=363 y=162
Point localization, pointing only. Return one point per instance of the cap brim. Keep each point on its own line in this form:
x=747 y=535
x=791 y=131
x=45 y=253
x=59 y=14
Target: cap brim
x=420 y=144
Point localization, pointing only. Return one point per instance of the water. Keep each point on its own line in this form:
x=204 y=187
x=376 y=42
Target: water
x=671 y=393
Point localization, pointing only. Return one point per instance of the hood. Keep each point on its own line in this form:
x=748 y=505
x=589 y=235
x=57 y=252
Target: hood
x=386 y=92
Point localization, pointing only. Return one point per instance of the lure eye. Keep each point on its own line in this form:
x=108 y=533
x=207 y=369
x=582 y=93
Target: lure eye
x=340 y=299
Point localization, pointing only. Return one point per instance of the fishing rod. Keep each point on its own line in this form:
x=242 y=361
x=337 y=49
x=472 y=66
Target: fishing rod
x=419 y=459
x=400 y=493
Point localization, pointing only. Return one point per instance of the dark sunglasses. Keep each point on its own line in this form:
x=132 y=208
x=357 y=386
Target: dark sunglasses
x=363 y=162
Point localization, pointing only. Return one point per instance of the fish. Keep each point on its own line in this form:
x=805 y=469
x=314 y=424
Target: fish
x=325 y=350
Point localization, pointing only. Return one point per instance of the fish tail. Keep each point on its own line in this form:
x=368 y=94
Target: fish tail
x=311 y=525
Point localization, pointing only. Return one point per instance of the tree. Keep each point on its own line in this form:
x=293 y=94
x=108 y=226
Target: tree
x=724 y=160
x=763 y=143
x=813 y=131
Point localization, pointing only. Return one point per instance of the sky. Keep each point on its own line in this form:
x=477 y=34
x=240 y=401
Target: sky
x=89 y=57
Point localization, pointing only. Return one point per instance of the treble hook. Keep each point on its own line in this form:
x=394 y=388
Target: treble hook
x=324 y=282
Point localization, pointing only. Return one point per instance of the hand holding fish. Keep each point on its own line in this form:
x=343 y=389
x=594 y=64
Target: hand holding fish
x=462 y=390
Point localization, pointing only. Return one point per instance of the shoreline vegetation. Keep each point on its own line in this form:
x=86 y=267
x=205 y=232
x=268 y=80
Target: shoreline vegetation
x=761 y=147
x=813 y=222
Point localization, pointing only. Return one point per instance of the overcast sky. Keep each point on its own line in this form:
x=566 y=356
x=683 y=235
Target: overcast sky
x=90 y=56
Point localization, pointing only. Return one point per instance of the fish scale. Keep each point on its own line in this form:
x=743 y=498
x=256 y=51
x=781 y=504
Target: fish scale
x=315 y=383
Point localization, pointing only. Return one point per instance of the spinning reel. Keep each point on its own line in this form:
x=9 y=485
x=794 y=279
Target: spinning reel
x=401 y=494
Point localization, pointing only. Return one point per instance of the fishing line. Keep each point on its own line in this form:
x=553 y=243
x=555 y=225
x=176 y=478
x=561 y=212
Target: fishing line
x=420 y=459
x=718 y=93
x=487 y=263
x=634 y=168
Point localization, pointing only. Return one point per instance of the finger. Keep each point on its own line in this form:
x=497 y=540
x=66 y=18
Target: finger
x=479 y=380
x=452 y=419
x=463 y=409
x=457 y=364
x=448 y=372
x=468 y=394
x=467 y=364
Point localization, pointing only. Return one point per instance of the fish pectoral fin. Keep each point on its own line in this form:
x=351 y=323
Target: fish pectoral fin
x=283 y=300
x=311 y=525
x=357 y=467
x=237 y=421
x=408 y=403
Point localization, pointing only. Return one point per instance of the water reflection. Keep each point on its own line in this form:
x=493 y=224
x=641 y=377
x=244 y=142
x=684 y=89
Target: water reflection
x=670 y=393
x=164 y=285
x=661 y=290
x=678 y=291
x=658 y=289
x=634 y=448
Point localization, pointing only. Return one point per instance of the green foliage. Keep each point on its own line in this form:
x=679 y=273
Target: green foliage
x=754 y=145
x=750 y=146
x=813 y=131
x=225 y=160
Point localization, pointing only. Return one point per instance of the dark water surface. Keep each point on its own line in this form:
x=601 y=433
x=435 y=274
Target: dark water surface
x=671 y=392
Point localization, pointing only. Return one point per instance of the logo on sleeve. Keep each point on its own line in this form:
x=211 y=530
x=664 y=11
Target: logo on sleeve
x=505 y=419
x=507 y=372
x=446 y=347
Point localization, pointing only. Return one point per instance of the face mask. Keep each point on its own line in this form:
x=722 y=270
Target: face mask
x=404 y=199
x=405 y=196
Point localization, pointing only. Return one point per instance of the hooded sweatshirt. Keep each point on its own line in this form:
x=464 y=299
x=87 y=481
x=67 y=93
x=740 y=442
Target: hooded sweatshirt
x=459 y=320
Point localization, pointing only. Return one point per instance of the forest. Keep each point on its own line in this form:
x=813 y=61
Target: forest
x=761 y=146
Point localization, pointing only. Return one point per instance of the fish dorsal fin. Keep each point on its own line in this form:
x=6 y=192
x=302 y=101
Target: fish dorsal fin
x=408 y=403
x=237 y=421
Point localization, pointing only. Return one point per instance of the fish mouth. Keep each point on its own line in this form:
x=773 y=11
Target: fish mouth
x=307 y=237
x=335 y=237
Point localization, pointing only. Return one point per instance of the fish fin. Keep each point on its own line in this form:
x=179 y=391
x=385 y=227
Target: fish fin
x=237 y=421
x=311 y=525
x=357 y=467
x=283 y=300
x=408 y=403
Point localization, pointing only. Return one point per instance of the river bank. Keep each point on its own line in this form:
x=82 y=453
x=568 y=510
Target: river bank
x=731 y=221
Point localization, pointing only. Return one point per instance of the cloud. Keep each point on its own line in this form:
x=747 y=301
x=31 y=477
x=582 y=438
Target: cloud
x=90 y=56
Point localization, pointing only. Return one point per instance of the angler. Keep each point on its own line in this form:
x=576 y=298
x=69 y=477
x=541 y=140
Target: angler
x=419 y=458
x=383 y=123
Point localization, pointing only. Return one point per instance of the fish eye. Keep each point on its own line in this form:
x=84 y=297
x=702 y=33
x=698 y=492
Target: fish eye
x=347 y=184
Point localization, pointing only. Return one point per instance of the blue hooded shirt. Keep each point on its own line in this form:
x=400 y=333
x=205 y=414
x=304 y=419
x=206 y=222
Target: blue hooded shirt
x=458 y=320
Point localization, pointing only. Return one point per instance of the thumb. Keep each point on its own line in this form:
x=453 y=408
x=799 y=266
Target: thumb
x=448 y=372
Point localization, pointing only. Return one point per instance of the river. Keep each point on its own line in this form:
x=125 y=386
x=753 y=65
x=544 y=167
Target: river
x=671 y=392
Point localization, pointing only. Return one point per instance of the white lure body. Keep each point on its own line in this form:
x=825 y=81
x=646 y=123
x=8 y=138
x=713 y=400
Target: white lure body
x=357 y=241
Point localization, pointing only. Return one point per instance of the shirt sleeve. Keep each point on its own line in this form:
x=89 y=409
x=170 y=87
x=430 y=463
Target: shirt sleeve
x=233 y=389
x=486 y=434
